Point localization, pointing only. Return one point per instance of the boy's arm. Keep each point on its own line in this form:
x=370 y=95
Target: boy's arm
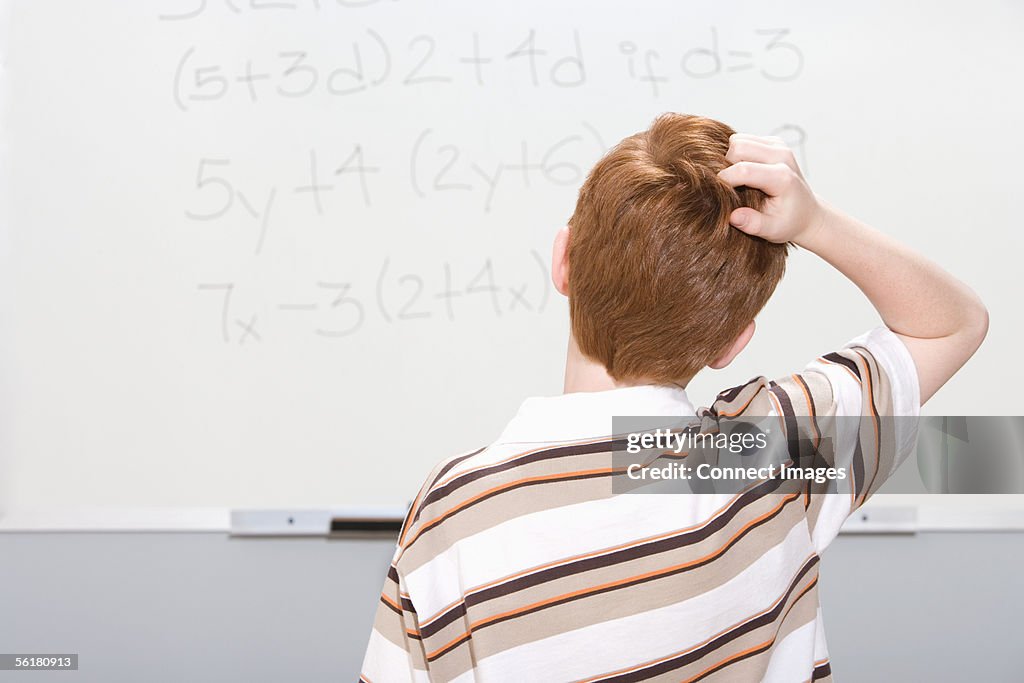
x=941 y=320
x=394 y=653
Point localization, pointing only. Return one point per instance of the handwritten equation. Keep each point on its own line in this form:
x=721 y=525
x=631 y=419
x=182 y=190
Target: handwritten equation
x=335 y=181
x=239 y=7
x=374 y=175
x=540 y=60
x=338 y=308
x=435 y=165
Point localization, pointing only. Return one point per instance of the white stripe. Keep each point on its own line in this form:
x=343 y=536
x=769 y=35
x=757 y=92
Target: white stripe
x=894 y=359
x=385 y=662
x=546 y=536
x=820 y=645
x=630 y=641
x=465 y=677
x=847 y=398
x=792 y=658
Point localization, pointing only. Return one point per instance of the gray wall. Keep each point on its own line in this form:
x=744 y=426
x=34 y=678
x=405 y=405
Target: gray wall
x=205 y=607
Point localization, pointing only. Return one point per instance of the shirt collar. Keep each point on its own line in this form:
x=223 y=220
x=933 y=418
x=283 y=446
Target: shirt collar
x=587 y=415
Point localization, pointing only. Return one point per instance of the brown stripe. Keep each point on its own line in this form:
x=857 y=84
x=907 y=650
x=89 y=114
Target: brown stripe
x=592 y=562
x=817 y=434
x=729 y=395
x=414 y=510
x=696 y=654
x=789 y=418
x=511 y=486
x=741 y=410
x=810 y=408
x=875 y=420
x=752 y=651
x=630 y=601
x=466 y=478
x=604 y=588
x=520 y=502
x=821 y=671
x=452 y=463
x=858 y=471
x=844 y=361
x=390 y=604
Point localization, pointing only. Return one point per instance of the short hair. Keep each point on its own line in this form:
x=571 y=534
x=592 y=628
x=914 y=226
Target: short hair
x=659 y=282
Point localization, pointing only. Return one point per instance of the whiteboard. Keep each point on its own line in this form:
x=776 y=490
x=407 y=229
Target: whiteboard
x=293 y=253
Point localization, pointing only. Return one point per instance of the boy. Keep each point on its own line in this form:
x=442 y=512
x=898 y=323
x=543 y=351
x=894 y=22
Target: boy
x=517 y=562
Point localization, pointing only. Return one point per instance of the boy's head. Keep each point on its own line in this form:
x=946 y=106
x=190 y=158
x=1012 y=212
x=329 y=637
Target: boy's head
x=659 y=284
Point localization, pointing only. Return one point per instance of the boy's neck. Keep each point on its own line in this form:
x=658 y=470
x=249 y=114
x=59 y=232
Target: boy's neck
x=585 y=374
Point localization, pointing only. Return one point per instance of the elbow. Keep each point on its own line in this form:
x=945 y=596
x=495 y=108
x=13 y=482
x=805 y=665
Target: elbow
x=976 y=328
x=983 y=324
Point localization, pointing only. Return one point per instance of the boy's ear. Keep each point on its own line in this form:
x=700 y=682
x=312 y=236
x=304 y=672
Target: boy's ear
x=560 y=262
x=734 y=349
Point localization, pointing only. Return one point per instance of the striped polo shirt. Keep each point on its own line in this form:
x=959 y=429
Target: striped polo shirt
x=518 y=562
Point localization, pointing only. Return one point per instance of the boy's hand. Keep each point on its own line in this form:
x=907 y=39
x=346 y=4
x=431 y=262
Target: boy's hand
x=792 y=212
x=938 y=318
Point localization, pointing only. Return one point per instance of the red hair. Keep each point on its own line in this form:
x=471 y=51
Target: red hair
x=659 y=283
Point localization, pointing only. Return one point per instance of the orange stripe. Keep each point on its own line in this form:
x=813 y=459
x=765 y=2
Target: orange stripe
x=817 y=434
x=848 y=371
x=874 y=420
x=853 y=483
x=766 y=644
x=455 y=475
x=501 y=487
x=583 y=556
x=744 y=405
x=524 y=454
x=413 y=509
x=815 y=666
x=612 y=584
x=725 y=662
x=701 y=644
x=574 y=558
x=778 y=411
x=414 y=513
x=810 y=408
x=581 y=442
x=391 y=602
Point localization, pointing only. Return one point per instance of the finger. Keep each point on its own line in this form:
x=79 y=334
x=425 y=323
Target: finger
x=774 y=140
x=748 y=149
x=770 y=178
x=748 y=220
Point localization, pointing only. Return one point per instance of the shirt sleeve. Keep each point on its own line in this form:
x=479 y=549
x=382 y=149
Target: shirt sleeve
x=858 y=406
x=866 y=399
x=396 y=650
x=394 y=653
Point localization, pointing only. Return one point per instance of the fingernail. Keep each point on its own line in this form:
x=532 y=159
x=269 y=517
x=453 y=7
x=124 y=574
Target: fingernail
x=739 y=221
